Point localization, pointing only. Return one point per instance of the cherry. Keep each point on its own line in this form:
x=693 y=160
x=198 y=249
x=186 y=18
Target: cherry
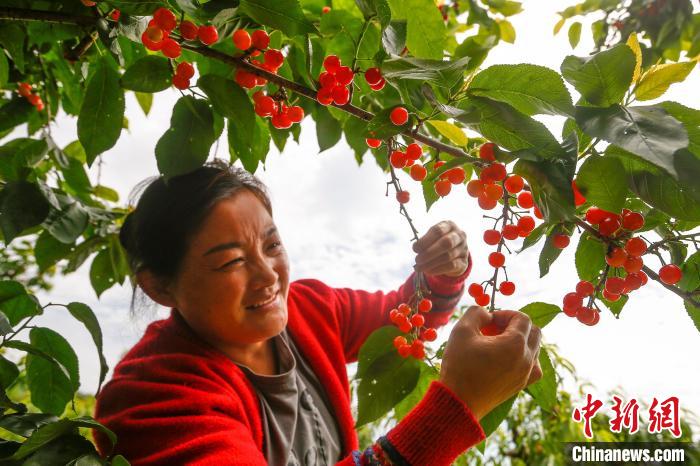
x=399 y=116
x=417 y=349
x=507 y=288
x=510 y=232
x=596 y=319
x=538 y=213
x=493 y=173
x=514 y=184
x=425 y=305
x=245 y=79
x=443 y=187
x=154 y=34
x=616 y=257
x=296 y=114
x=373 y=143
x=587 y=315
x=609 y=225
x=24 y=89
x=241 y=39
x=492 y=237
x=273 y=58
x=491 y=329
x=171 y=48
x=475 y=188
x=560 y=241
x=344 y=75
x=165 y=19
x=418 y=172
x=397 y=159
x=400 y=341
x=525 y=200
x=185 y=70
x=35 y=100
x=267 y=105
x=526 y=224
x=438 y=164
x=584 y=288
x=405 y=351
x=341 y=95
x=493 y=192
x=331 y=63
x=612 y=296
x=373 y=76
x=636 y=247
x=379 y=86
x=327 y=79
x=414 y=151
x=404 y=309
x=281 y=120
x=487 y=204
x=482 y=300
x=260 y=39
x=594 y=215
x=208 y=34
x=88 y=3
x=632 y=221
x=578 y=197
x=403 y=197
x=633 y=264
x=181 y=82
x=497 y=259
x=475 y=290
x=456 y=175
x=325 y=9
x=430 y=334
x=324 y=96
x=572 y=303
x=486 y=151
x=614 y=285
x=115 y=15
x=417 y=320
x=670 y=274
x=188 y=30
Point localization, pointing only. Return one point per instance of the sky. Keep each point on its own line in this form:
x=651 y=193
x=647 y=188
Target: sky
x=339 y=227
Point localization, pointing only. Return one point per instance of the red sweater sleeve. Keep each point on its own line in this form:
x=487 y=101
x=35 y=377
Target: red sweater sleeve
x=361 y=312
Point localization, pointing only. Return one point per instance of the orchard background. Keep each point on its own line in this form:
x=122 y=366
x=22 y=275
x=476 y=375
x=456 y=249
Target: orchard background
x=52 y=197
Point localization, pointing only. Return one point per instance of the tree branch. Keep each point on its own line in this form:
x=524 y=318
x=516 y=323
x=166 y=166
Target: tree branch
x=20 y=14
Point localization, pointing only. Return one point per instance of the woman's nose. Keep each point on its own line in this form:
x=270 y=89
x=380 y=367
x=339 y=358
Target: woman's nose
x=264 y=273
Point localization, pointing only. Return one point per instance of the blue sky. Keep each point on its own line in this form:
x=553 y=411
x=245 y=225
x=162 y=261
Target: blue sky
x=340 y=228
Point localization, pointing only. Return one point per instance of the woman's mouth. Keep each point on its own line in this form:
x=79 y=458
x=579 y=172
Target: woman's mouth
x=267 y=305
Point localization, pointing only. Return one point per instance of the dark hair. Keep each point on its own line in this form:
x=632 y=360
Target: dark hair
x=169 y=212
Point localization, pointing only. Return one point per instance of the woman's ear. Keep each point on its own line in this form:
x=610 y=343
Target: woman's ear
x=155 y=287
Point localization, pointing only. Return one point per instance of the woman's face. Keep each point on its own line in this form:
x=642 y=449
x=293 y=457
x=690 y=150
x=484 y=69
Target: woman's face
x=234 y=280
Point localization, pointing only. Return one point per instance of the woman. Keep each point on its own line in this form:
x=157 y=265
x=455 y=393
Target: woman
x=250 y=369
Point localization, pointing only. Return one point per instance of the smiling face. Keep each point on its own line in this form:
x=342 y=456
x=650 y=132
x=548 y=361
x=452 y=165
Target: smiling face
x=234 y=279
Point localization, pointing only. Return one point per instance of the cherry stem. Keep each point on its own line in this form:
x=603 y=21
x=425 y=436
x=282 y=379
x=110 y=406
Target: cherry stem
x=501 y=243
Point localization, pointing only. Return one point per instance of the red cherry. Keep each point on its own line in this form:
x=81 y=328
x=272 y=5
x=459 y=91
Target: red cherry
x=325 y=9
x=273 y=58
x=417 y=320
x=185 y=70
x=572 y=303
x=417 y=349
x=584 y=288
x=331 y=63
x=596 y=319
x=245 y=79
x=400 y=341
x=241 y=39
x=208 y=34
x=171 y=48
x=487 y=204
x=525 y=200
x=633 y=264
x=612 y=296
x=482 y=300
x=404 y=309
x=430 y=334
x=373 y=76
x=403 y=197
x=181 y=82
x=414 y=151
x=327 y=79
x=165 y=19
x=425 y=305
x=594 y=215
x=475 y=290
x=341 y=95
x=492 y=237
x=636 y=247
x=578 y=197
x=456 y=175
x=514 y=184
x=670 y=274
x=397 y=159
x=633 y=281
x=632 y=221
x=379 y=86
x=296 y=114
x=373 y=143
x=493 y=192
x=154 y=34
x=344 y=75
x=475 y=188
x=507 y=288
x=443 y=187
x=538 y=213
x=38 y=103
x=399 y=116
x=405 y=351
x=526 y=224
x=281 y=120
x=418 y=172
x=587 y=315
x=497 y=259
x=486 y=151
x=115 y=15
x=324 y=96
x=260 y=39
x=24 y=89
x=614 y=285
x=560 y=241
x=510 y=232
x=188 y=30
x=609 y=225
x=616 y=257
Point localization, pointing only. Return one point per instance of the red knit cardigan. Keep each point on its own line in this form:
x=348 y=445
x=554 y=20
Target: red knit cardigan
x=174 y=399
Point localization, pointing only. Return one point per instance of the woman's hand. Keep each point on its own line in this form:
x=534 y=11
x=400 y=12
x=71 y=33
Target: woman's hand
x=484 y=371
x=442 y=251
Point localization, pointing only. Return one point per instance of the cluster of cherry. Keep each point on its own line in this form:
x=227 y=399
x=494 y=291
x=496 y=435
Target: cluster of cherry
x=26 y=91
x=156 y=37
x=406 y=319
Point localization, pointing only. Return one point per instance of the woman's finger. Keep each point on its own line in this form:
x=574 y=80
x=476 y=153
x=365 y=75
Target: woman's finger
x=434 y=233
x=448 y=247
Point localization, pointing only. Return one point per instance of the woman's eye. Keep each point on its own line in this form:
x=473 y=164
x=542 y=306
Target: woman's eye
x=231 y=262
x=276 y=244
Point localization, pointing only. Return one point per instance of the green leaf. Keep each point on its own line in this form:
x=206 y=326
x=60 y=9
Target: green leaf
x=228 y=99
x=84 y=314
x=354 y=130
x=550 y=182
x=12 y=38
x=145 y=101
x=646 y=131
x=102 y=272
x=249 y=144
x=377 y=8
x=574 y=34
x=450 y=131
x=694 y=313
x=185 y=145
x=590 y=257
x=48 y=250
x=68 y=224
x=16 y=303
x=534 y=237
x=615 y=306
x=544 y=391
x=530 y=89
x=285 y=15
x=22 y=206
x=138 y=7
x=8 y=373
x=102 y=112
x=603 y=182
x=493 y=419
x=438 y=72
x=633 y=43
x=427 y=375
x=148 y=74
x=50 y=388
x=425 y=28
x=657 y=80
x=15 y=112
x=549 y=252
x=506 y=31
x=603 y=78
x=25 y=424
x=541 y=313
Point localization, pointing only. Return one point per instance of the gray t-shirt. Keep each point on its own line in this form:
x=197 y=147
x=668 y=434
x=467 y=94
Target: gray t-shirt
x=298 y=423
